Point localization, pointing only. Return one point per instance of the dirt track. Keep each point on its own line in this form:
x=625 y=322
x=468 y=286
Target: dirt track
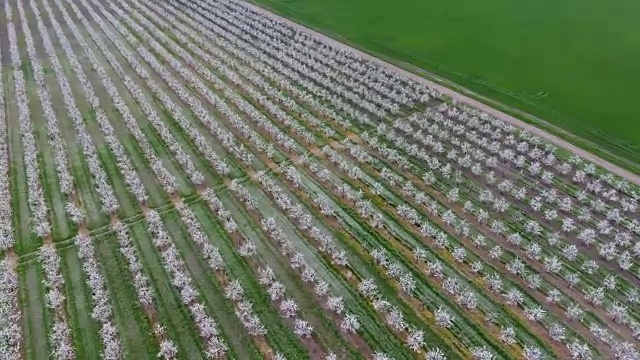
x=631 y=177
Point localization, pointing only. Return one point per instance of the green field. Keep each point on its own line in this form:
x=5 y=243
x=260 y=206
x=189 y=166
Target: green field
x=570 y=62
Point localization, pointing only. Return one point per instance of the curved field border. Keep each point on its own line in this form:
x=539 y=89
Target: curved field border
x=616 y=164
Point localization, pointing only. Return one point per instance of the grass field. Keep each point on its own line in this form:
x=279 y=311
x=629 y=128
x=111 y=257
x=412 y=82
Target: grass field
x=569 y=62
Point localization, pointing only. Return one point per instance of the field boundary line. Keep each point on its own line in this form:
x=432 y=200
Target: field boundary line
x=455 y=95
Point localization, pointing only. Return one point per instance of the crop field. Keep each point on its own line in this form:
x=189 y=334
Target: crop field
x=202 y=180
x=570 y=62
